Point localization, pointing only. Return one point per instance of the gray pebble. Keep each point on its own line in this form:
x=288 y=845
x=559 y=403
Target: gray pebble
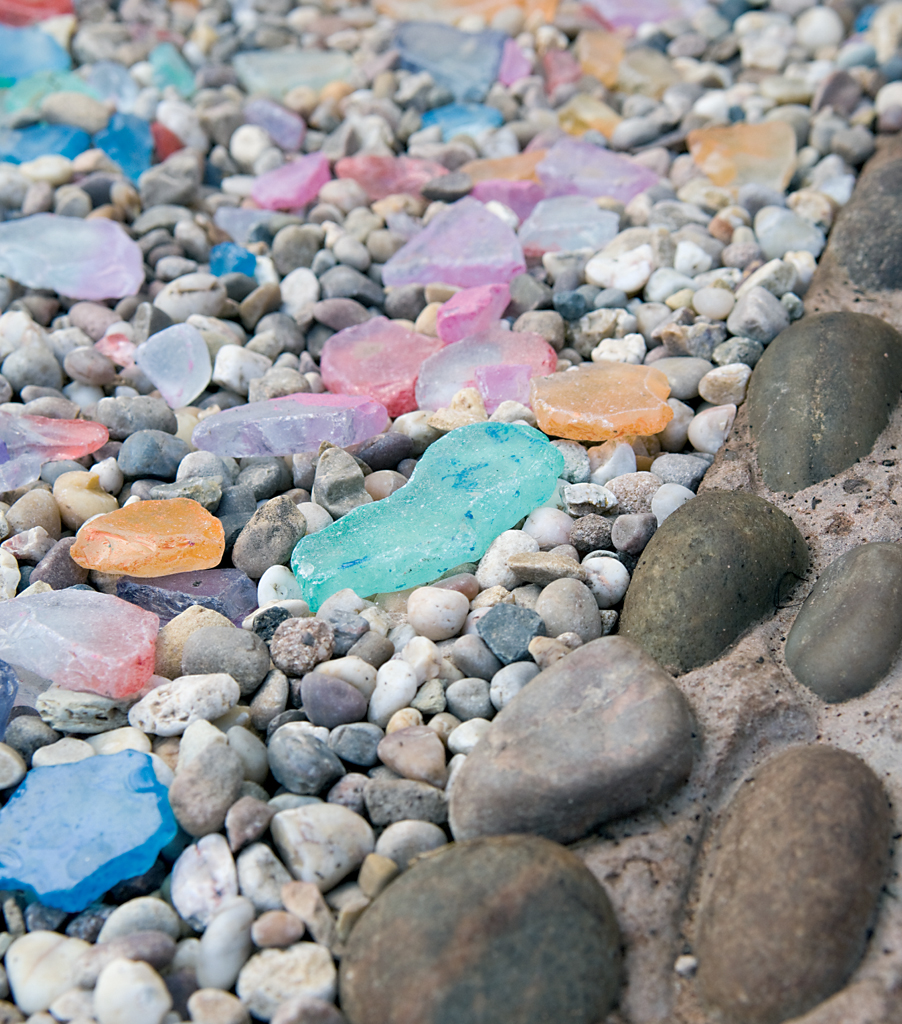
x=356 y=742
x=469 y=698
x=204 y=790
x=630 y=533
x=269 y=537
x=300 y=762
x=473 y=657
x=685 y=470
x=239 y=652
x=151 y=453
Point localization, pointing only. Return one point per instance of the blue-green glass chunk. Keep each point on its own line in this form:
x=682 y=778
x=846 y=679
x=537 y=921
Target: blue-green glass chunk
x=72 y=831
x=127 y=140
x=18 y=146
x=463 y=119
x=171 y=68
x=470 y=486
x=25 y=51
x=27 y=93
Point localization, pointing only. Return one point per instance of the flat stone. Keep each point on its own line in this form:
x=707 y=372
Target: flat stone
x=716 y=565
x=797 y=870
x=514 y=928
x=846 y=634
x=597 y=763
x=820 y=395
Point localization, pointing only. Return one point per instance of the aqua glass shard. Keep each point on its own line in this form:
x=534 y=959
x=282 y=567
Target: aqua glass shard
x=469 y=486
x=70 y=832
x=25 y=51
x=171 y=68
x=18 y=146
x=275 y=72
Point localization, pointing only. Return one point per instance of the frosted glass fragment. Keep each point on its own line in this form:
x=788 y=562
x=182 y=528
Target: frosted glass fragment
x=566 y=223
x=572 y=167
x=471 y=485
x=176 y=360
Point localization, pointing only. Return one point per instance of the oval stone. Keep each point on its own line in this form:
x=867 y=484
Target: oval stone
x=797 y=869
x=504 y=929
x=846 y=634
x=601 y=733
x=820 y=395
x=715 y=566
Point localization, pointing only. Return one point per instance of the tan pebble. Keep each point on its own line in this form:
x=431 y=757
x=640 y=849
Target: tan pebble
x=444 y=724
x=440 y=292
x=383 y=482
x=306 y=902
x=213 y=1006
x=174 y=635
x=376 y=872
x=349 y=915
x=35 y=588
x=425 y=323
x=35 y=508
x=406 y=718
x=466 y=407
x=276 y=928
x=437 y=614
x=544 y=567
x=725 y=385
x=415 y=753
x=546 y=651
x=79 y=497
x=491 y=596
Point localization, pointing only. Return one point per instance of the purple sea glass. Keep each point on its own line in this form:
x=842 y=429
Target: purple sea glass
x=227 y=591
x=464 y=245
x=503 y=382
x=292 y=185
x=514 y=64
x=579 y=168
x=519 y=196
x=285 y=128
x=295 y=423
x=566 y=223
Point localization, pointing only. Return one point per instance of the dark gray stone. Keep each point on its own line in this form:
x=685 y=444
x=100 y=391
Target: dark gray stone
x=330 y=701
x=373 y=649
x=300 y=762
x=715 y=566
x=390 y=800
x=448 y=188
x=508 y=929
x=239 y=652
x=338 y=483
x=235 y=510
x=472 y=656
x=343 y=282
x=152 y=453
x=269 y=537
x=384 y=451
x=596 y=763
x=405 y=302
x=356 y=742
x=821 y=394
x=268 y=621
x=848 y=631
x=348 y=628
x=265 y=475
x=123 y=416
x=57 y=567
x=507 y=630
x=205 y=490
x=796 y=873
x=685 y=470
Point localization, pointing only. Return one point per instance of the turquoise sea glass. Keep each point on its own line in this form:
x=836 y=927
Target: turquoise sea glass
x=470 y=486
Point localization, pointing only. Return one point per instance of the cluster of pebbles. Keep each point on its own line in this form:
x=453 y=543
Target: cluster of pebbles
x=311 y=758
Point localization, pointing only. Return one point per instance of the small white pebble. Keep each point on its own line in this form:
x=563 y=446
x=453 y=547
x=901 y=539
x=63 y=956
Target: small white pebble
x=317 y=517
x=709 y=429
x=467 y=735
x=685 y=965
x=278 y=583
x=716 y=303
x=725 y=385
x=437 y=613
x=396 y=686
x=549 y=526
x=608 y=580
x=667 y=499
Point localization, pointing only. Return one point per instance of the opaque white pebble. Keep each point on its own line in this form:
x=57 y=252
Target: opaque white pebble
x=725 y=385
x=667 y=499
x=396 y=686
x=41 y=966
x=709 y=429
x=716 y=303
x=673 y=436
x=125 y=738
x=608 y=580
x=423 y=657
x=353 y=670
x=65 y=751
x=622 y=460
x=278 y=583
x=130 y=992
x=493 y=569
x=317 y=517
x=436 y=613
x=467 y=735
x=549 y=526
x=109 y=475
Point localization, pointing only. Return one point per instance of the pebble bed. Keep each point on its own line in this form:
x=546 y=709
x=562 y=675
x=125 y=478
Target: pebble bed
x=310 y=759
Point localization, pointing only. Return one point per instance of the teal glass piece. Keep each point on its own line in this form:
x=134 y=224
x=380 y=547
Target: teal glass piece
x=471 y=485
x=72 y=831
x=27 y=93
x=171 y=68
x=275 y=72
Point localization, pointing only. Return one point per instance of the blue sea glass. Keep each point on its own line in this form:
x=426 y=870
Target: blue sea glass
x=465 y=63
x=228 y=258
x=25 y=51
x=110 y=80
x=72 y=831
x=18 y=146
x=463 y=119
x=471 y=485
x=9 y=690
x=127 y=141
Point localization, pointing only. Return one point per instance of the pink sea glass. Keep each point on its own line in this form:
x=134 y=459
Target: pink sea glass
x=293 y=185
x=118 y=348
x=50 y=439
x=503 y=382
x=383 y=176
x=379 y=358
x=561 y=68
x=465 y=245
x=295 y=423
x=520 y=196
x=472 y=310
x=572 y=167
x=514 y=64
x=94 y=643
x=629 y=14
x=445 y=373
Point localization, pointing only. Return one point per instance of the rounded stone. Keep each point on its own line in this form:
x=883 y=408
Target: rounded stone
x=715 y=566
x=206 y=788
x=130 y=992
x=820 y=395
x=330 y=702
x=513 y=928
x=300 y=762
x=300 y=644
x=239 y=652
x=269 y=537
x=151 y=453
x=597 y=763
x=797 y=869
x=437 y=613
x=848 y=631
x=569 y=606
x=274 y=976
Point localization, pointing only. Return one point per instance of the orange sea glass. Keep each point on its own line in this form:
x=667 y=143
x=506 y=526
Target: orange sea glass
x=744 y=154
x=151 y=538
x=599 y=53
x=511 y=168
x=600 y=401
x=451 y=11
x=583 y=112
